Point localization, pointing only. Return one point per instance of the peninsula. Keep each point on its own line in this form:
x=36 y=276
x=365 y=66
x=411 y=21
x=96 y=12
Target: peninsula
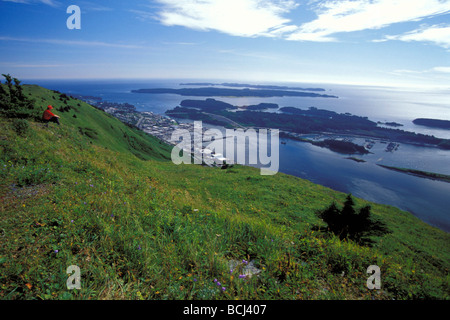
x=433 y=123
x=227 y=92
x=299 y=121
x=419 y=173
x=254 y=86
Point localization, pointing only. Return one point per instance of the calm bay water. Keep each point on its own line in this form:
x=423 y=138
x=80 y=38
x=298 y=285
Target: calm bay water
x=427 y=199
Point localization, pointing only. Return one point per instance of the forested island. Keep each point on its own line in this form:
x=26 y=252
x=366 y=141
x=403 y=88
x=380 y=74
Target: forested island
x=207 y=105
x=257 y=86
x=295 y=120
x=339 y=146
x=261 y=106
x=390 y=124
x=227 y=92
x=433 y=123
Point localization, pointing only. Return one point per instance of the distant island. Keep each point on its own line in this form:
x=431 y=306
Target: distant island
x=295 y=121
x=433 y=123
x=356 y=159
x=261 y=106
x=419 y=173
x=227 y=92
x=257 y=86
x=211 y=104
x=390 y=124
x=207 y=105
x=339 y=146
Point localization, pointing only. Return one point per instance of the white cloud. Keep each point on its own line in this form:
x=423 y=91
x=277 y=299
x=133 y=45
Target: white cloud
x=16 y=1
x=433 y=71
x=51 y=3
x=252 y=18
x=247 y=18
x=438 y=34
x=13 y=65
x=248 y=54
x=406 y=71
x=88 y=6
x=71 y=42
x=181 y=43
x=442 y=69
x=143 y=15
x=348 y=16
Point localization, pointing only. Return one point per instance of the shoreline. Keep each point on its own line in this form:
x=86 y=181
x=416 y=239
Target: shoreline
x=419 y=173
x=124 y=115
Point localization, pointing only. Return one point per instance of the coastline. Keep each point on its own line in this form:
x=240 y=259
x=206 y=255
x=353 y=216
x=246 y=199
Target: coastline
x=419 y=173
x=163 y=132
x=162 y=126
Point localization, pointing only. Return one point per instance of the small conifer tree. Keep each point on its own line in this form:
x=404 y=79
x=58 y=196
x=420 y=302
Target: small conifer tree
x=348 y=223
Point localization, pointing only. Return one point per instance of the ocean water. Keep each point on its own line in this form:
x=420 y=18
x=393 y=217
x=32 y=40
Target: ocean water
x=427 y=199
x=376 y=103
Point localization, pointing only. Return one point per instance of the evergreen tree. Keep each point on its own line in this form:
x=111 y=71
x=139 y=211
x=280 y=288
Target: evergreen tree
x=331 y=215
x=348 y=217
x=13 y=102
x=347 y=223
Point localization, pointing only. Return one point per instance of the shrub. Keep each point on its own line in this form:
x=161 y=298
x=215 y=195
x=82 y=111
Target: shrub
x=32 y=175
x=20 y=126
x=13 y=102
x=347 y=223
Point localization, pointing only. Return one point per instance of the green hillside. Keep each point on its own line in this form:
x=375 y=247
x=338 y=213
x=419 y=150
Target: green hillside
x=98 y=194
x=102 y=128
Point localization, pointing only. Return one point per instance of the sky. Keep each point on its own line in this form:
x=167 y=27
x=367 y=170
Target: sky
x=379 y=42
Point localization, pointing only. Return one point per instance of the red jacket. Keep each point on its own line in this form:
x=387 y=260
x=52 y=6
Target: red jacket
x=48 y=114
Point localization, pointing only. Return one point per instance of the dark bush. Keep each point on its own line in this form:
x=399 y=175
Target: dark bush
x=347 y=223
x=13 y=102
x=20 y=126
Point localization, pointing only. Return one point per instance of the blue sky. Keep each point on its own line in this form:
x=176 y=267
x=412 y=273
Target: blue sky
x=388 y=42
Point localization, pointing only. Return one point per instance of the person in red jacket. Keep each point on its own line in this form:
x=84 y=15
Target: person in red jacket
x=49 y=116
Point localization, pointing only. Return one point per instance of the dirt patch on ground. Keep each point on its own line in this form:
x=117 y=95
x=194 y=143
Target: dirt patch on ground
x=12 y=196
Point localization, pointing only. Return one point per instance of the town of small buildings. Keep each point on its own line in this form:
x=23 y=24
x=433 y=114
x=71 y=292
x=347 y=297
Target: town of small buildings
x=156 y=125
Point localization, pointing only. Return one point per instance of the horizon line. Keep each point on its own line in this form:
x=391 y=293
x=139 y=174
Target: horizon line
x=252 y=82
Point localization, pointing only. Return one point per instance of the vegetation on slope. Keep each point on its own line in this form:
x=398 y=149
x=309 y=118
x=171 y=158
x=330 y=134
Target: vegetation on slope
x=140 y=227
x=101 y=128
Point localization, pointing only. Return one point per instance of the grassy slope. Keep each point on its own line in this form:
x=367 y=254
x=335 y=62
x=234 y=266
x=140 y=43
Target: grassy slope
x=104 y=129
x=148 y=229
